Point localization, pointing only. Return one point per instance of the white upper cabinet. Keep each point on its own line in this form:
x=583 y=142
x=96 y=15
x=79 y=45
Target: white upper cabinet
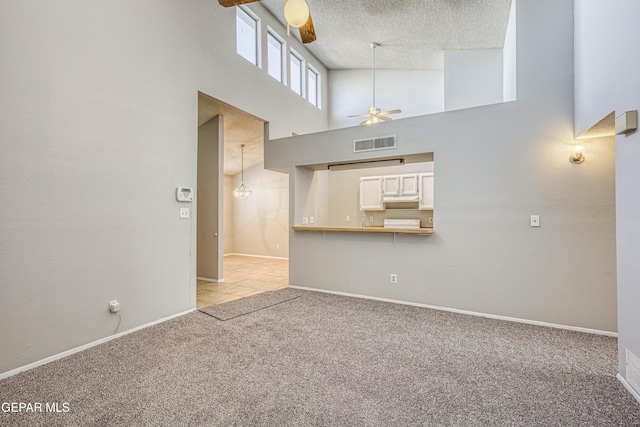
x=409 y=185
x=391 y=185
x=371 y=193
x=426 y=191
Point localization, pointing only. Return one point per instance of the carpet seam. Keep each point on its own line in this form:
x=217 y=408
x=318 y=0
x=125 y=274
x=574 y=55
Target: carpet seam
x=249 y=312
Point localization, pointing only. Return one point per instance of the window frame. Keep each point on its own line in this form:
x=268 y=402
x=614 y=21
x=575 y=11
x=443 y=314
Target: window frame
x=294 y=54
x=283 y=57
x=243 y=12
x=312 y=70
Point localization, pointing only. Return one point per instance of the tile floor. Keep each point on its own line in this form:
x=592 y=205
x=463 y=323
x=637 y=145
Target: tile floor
x=244 y=276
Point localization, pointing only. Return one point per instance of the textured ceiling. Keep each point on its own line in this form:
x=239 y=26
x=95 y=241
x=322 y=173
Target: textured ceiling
x=412 y=33
x=239 y=128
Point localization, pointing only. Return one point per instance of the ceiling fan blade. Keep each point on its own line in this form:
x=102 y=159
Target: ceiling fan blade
x=386 y=119
x=390 y=112
x=231 y=3
x=364 y=122
x=359 y=115
x=307 y=32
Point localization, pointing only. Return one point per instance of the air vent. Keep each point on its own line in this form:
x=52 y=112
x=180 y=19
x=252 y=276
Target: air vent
x=380 y=143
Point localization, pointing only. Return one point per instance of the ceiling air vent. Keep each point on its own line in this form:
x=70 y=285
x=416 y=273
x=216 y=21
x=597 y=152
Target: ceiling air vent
x=380 y=143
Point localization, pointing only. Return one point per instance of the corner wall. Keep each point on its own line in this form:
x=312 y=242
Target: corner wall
x=607 y=70
x=494 y=167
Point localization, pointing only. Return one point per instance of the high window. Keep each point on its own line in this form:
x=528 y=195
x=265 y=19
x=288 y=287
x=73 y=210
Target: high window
x=247 y=34
x=296 y=70
x=313 y=93
x=275 y=55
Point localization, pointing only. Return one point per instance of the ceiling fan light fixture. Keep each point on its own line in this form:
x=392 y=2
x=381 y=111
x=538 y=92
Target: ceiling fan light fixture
x=296 y=12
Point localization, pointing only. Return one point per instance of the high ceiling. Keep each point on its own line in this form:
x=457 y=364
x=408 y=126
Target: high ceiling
x=412 y=33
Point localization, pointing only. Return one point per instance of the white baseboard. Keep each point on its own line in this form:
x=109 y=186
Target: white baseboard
x=628 y=387
x=257 y=256
x=87 y=346
x=206 y=279
x=471 y=313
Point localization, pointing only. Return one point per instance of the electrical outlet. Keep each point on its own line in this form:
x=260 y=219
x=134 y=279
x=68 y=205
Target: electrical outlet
x=114 y=306
x=348 y=218
x=277 y=246
x=535 y=220
x=430 y=220
x=393 y=278
x=305 y=220
x=184 y=213
x=312 y=220
x=371 y=218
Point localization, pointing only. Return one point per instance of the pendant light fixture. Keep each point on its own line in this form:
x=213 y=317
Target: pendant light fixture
x=242 y=192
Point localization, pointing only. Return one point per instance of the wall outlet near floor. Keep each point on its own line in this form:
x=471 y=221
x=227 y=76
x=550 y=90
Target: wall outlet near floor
x=277 y=246
x=393 y=278
x=312 y=220
x=305 y=220
x=371 y=218
x=430 y=220
x=347 y=218
x=114 y=306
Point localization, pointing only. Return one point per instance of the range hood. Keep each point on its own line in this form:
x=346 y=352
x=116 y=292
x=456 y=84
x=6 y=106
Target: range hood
x=400 y=199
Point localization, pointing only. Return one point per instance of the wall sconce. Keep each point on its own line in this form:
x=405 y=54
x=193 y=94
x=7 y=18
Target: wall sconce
x=578 y=154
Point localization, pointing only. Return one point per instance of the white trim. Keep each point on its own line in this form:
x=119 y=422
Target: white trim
x=206 y=279
x=628 y=387
x=470 y=313
x=257 y=256
x=87 y=346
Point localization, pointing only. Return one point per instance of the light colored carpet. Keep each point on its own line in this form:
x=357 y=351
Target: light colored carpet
x=232 y=309
x=324 y=360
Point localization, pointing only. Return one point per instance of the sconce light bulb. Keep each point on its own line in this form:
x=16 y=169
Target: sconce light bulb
x=578 y=154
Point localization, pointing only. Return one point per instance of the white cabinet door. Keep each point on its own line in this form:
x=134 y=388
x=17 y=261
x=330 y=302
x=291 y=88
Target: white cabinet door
x=371 y=193
x=391 y=185
x=409 y=185
x=426 y=191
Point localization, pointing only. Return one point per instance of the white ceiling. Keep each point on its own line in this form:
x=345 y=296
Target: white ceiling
x=412 y=33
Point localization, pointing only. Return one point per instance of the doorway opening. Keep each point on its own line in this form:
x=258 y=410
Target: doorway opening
x=242 y=245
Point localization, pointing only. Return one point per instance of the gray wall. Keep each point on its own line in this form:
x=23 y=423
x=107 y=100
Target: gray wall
x=99 y=126
x=472 y=77
x=607 y=70
x=261 y=223
x=210 y=210
x=494 y=166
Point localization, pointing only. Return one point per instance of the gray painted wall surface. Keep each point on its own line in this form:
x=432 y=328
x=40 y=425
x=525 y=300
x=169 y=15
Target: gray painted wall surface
x=99 y=126
x=472 y=77
x=261 y=223
x=607 y=70
x=210 y=212
x=494 y=166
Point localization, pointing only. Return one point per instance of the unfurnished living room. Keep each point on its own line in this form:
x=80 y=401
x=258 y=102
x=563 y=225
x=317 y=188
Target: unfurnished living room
x=319 y=213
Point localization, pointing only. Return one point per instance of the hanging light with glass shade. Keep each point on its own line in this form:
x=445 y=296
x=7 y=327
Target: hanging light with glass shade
x=242 y=192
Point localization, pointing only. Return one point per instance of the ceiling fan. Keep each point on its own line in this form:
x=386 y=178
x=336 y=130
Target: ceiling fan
x=375 y=115
x=296 y=12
